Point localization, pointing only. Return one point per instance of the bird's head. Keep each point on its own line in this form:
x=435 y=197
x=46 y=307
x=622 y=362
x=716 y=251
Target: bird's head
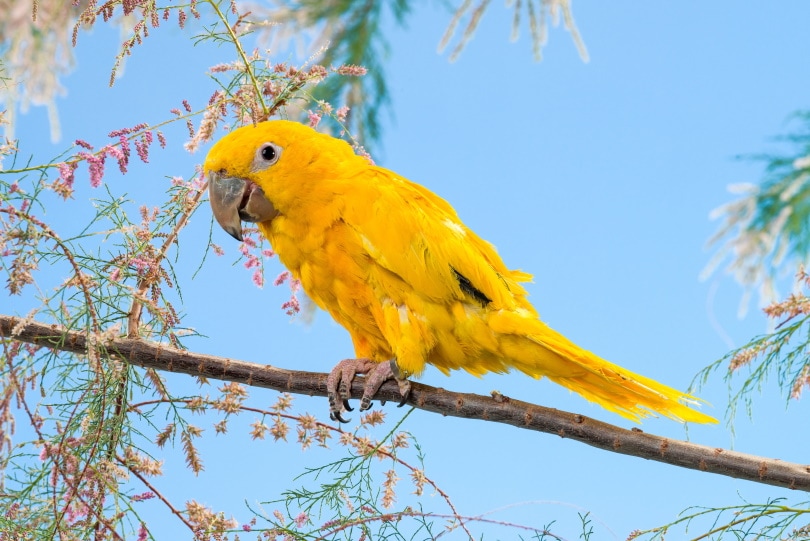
x=260 y=171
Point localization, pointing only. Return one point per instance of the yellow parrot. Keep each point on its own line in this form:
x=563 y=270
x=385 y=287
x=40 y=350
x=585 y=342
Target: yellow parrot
x=392 y=262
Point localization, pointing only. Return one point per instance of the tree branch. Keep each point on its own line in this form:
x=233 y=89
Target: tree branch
x=496 y=408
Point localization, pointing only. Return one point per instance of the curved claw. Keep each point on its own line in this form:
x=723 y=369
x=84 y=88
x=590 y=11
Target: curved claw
x=335 y=416
x=339 y=383
x=405 y=391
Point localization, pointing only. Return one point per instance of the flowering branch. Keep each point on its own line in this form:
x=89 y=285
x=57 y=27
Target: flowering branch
x=142 y=478
x=147 y=280
x=497 y=408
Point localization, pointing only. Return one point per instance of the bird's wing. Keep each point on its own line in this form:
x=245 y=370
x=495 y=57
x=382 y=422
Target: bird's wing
x=417 y=237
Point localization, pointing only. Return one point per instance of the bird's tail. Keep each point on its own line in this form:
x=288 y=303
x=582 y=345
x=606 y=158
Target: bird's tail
x=543 y=351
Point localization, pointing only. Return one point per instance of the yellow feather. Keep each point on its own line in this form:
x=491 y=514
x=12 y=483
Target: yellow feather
x=393 y=263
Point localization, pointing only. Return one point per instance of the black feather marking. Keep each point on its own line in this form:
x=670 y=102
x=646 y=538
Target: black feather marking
x=468 y=288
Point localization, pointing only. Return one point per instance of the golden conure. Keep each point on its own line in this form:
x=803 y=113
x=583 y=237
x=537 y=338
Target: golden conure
x=393 y=263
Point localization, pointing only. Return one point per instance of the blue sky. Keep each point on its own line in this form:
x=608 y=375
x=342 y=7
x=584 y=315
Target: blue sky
x=598 y=178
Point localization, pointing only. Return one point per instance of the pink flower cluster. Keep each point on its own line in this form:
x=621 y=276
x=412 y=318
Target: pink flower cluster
x=139 y=135
x=293 y=305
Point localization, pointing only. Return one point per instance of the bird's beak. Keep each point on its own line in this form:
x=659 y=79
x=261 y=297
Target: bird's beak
x=235 y=199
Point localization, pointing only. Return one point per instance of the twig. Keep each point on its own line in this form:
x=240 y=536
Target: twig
x=142 y=478
x=501 y=409
x=135 y=311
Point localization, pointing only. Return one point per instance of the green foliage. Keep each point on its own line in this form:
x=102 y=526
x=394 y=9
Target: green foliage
x=784 y=193
x=781 y=355
x=356 y=38
x=771 y=520
x=768 y=228
x=765 y=230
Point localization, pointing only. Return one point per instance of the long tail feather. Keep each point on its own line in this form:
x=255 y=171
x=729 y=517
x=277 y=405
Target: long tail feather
x=543 y=351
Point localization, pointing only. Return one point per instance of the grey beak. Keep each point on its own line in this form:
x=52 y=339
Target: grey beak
x=226 y=194
x=234 y=200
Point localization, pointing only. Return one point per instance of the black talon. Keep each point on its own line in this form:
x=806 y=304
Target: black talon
x=404 y=399
x=346 y=405
x=335 y=416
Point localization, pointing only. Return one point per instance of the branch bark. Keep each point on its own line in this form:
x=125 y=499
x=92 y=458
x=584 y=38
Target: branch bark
x=497 y=408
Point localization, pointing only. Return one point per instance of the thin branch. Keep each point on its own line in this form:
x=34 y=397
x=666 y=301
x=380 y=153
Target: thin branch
x=142 y=478
x=497 y=409
x=135 y=311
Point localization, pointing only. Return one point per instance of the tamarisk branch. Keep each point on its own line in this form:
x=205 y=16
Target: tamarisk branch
x=496 y=408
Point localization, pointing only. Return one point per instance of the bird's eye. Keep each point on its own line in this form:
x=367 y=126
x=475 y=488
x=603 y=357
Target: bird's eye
x=267 y=155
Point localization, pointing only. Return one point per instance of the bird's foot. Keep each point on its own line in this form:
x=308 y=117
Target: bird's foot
x=339 y=384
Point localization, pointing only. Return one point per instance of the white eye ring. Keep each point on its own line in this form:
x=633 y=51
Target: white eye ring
x=266 y=155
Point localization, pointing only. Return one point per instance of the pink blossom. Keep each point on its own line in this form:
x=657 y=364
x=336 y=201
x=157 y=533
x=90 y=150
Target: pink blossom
x=268 y=253
x=292 y=306
x=351 y=70
x=221 y=68
x=318 y=72
x=115 y=275
x=246 y=527
x=342 y=112
x=143 y=533
x=127 y=131
x=143 y=151
x=270 y=88
x=139 y=263
x=364 y=153
x=217 y=249
x=187 y=106
x=161 y=139
x=215 y=97
x=258 y=278
x=301 y=519
x=120 y=154
x=143 y=496
x=113 y=151
x=95 y=163
x=66 y=172
x=281 y=278
x=314 y=119
x=123 y=159
x=84 y=144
